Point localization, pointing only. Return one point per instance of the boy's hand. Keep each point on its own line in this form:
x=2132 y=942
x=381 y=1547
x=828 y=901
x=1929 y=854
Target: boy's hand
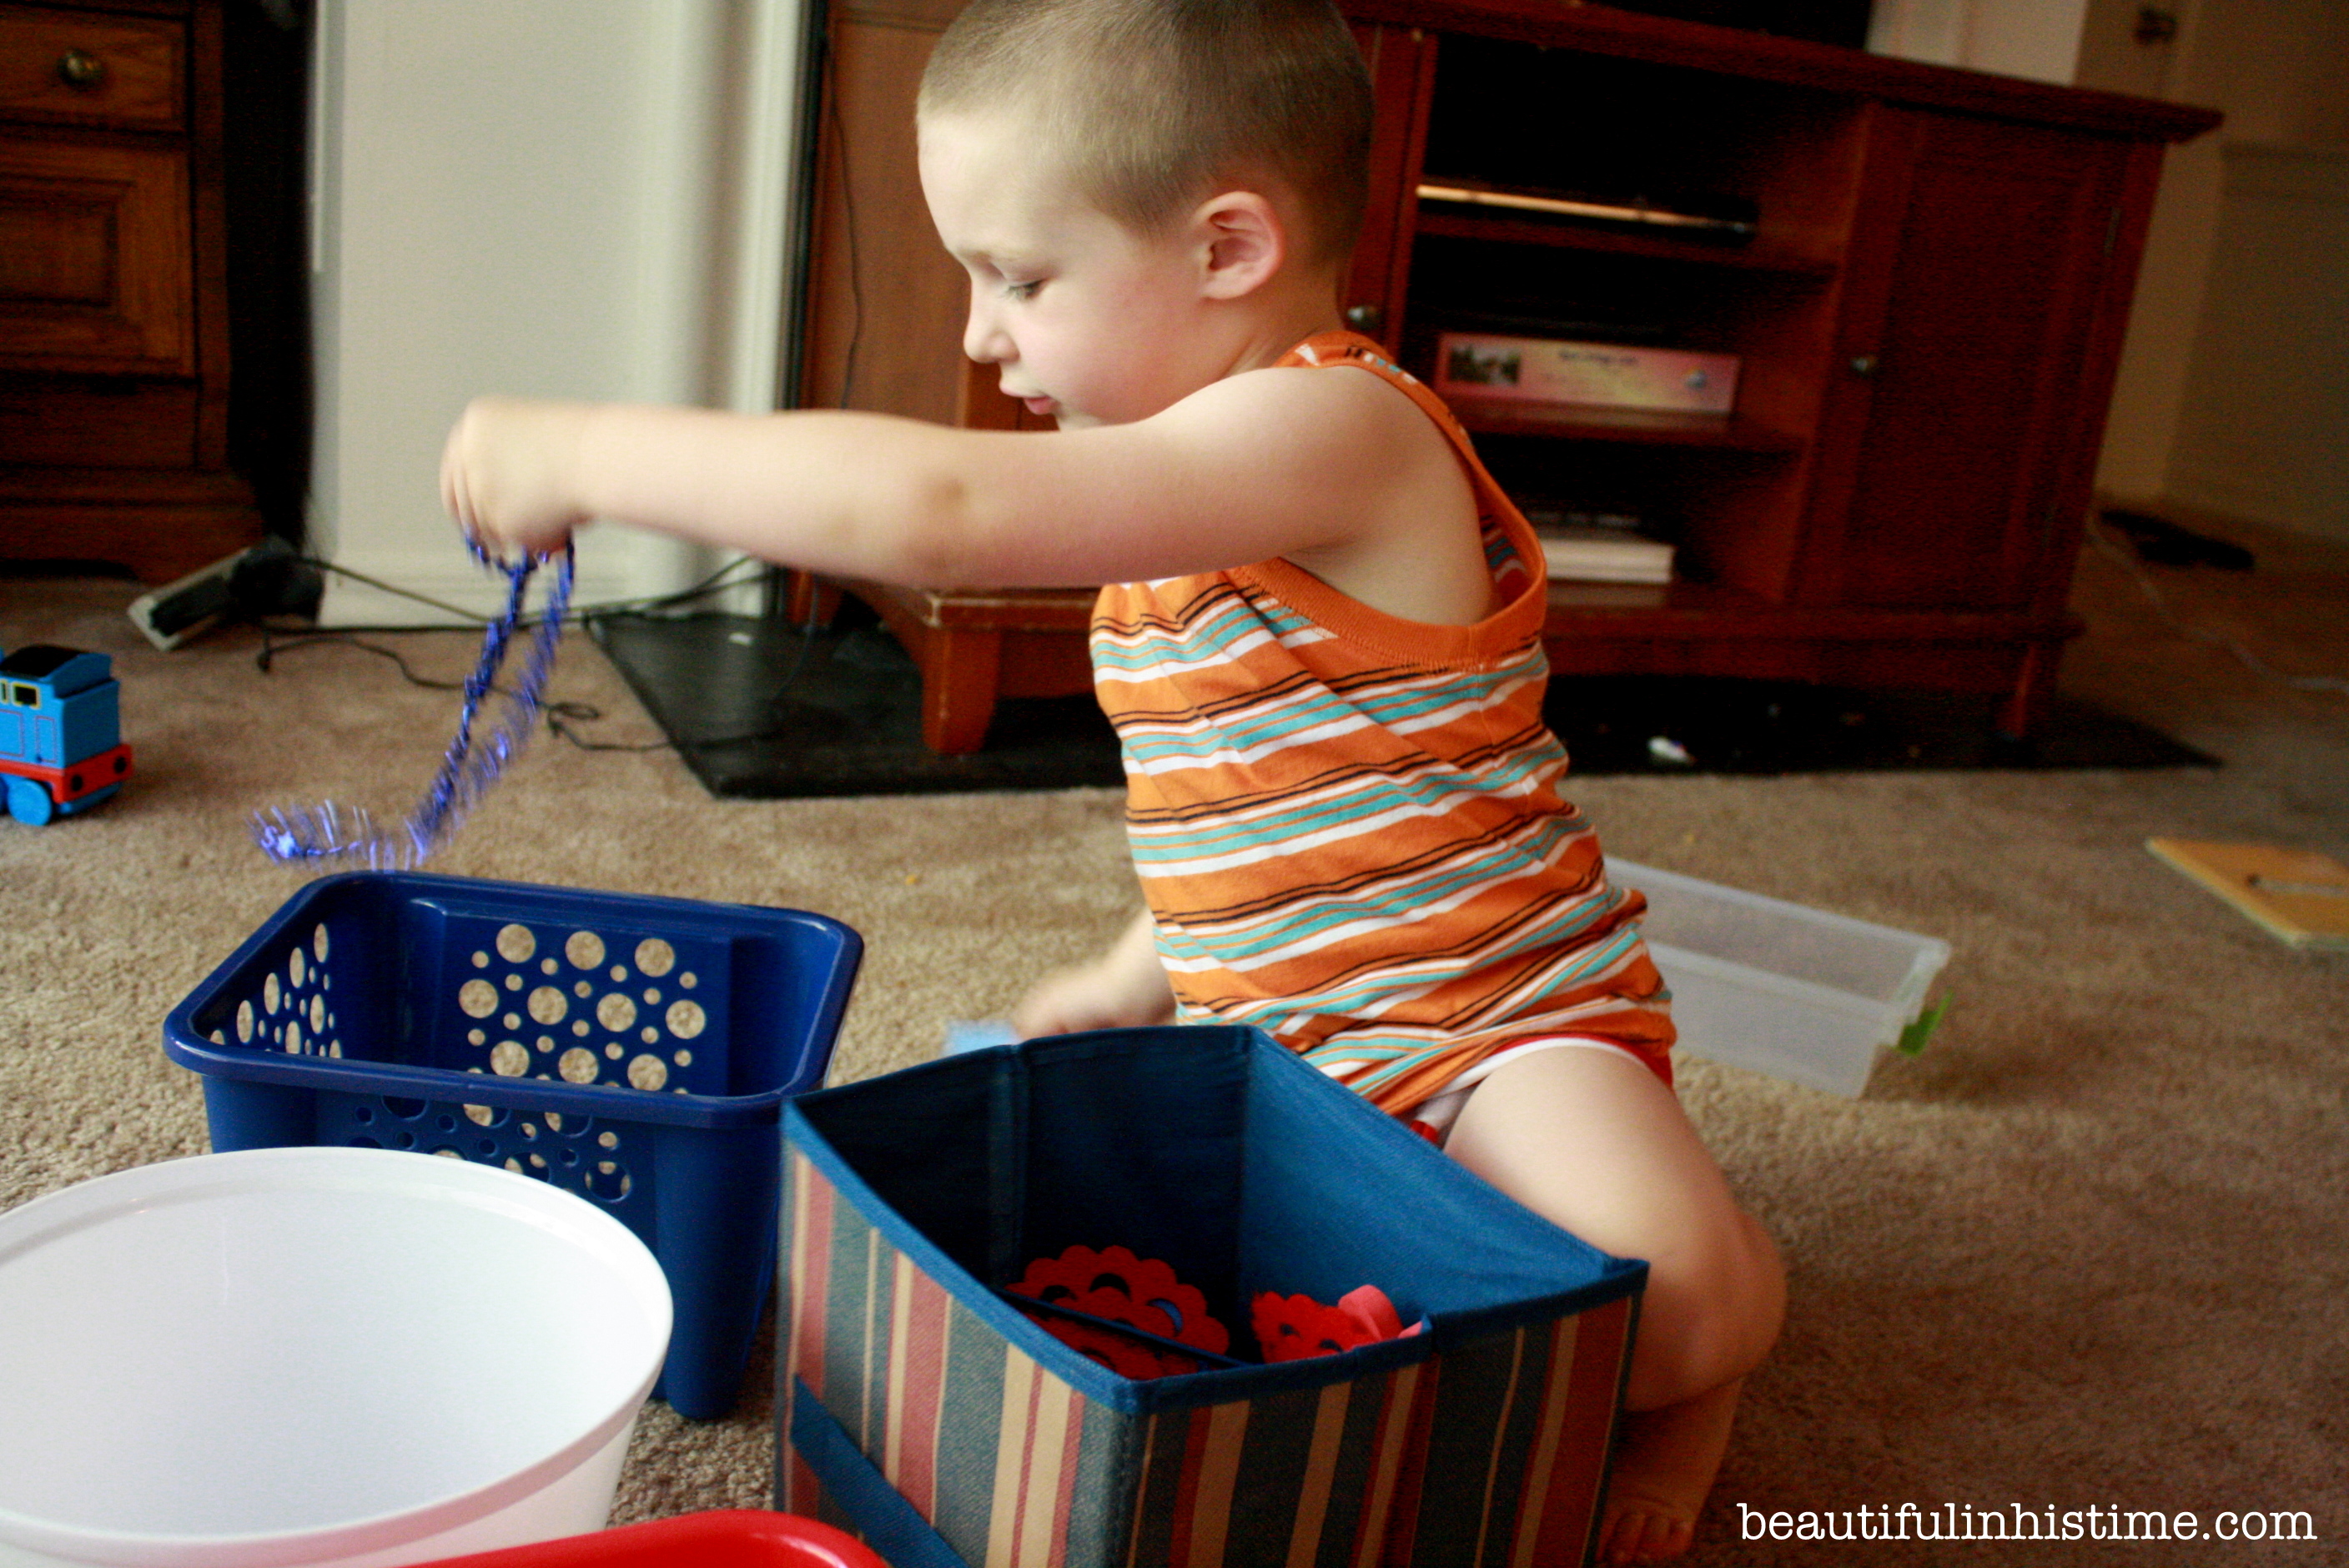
x=1089 y=996
x=509 y=471
x=1124 y=988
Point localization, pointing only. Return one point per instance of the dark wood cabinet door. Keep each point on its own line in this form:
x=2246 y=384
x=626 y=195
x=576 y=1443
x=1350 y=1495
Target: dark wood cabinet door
x=96 y=263
x=1975 y=300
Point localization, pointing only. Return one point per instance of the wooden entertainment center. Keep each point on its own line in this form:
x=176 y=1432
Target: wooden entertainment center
x=1928 y=315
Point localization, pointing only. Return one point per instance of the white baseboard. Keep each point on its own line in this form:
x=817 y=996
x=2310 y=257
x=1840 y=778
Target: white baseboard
x=479 y=595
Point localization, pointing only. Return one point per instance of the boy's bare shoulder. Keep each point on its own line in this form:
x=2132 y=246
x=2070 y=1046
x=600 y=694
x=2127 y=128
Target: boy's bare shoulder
x=1344 y=402
x=1398 y=514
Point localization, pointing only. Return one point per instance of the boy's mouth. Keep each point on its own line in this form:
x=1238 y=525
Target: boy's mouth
x=1042 y=407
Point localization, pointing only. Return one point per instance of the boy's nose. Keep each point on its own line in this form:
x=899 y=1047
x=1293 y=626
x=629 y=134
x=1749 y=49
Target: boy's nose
x=983 y=339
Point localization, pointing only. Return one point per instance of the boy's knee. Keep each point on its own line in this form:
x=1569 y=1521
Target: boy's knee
x=1711 y=1314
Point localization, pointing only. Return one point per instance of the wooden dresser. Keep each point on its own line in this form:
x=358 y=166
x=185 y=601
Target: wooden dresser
x=114 y=372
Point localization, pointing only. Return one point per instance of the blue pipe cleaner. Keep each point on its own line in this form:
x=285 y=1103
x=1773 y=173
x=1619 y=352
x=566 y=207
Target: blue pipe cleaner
x=329 y=832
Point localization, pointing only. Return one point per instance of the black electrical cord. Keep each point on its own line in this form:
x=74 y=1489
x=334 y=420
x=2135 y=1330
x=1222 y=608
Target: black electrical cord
x=561 y=717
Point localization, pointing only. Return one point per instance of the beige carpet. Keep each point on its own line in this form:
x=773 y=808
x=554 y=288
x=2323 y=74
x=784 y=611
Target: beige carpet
x=2088 y=1251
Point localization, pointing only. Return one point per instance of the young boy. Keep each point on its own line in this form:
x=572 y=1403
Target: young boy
x=1321 y=643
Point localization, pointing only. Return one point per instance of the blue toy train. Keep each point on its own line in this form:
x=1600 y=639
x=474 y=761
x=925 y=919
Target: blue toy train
x=61 y=747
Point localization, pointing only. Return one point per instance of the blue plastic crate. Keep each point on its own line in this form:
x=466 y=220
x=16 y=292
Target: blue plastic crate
x=635 y=1050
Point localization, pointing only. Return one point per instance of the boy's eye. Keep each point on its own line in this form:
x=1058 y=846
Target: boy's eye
x=1023 y=291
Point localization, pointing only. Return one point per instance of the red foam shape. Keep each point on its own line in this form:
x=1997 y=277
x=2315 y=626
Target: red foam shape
x=1114 y=1283
x=1293 y=1327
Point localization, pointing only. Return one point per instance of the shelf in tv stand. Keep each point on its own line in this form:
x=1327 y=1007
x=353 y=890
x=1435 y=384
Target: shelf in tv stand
x=1637 y=426
x=1760 y=256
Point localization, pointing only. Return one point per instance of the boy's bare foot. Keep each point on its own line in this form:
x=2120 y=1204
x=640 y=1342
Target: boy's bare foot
x=1664 y=1464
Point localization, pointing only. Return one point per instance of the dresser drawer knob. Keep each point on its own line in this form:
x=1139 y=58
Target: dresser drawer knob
x=81 y=68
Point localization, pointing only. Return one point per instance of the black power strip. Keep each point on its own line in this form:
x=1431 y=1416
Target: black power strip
x=269 y=578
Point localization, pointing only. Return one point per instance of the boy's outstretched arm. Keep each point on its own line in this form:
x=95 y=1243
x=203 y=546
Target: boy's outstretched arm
x=1305 y=464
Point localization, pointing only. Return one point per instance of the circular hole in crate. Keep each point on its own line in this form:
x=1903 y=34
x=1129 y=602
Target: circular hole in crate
x=515 y=943
x=608 y=1181
x=682 y=1059
x=650 y=1035
x=445 y=1122
x=608 y=1139
x=577 y=1065
x=484 y=1115
x=688 y=980
x=477 y=1036
x=655 y=957
x=405 y=1110
x=294 y=1036
x=648 y=1072
x=479 y=998
x=616 y=1013
x=407 y=1141
x=687 y=1020
x=318 y=944
x=570 y=1158
x=538 y=1161
x=487 y=1148
x=548 y=1005
x=363 y=1114
x=553 y=1119
x=480 y=960
x=615 y=1050
x=548 y=966
x=269 y=992
x=318 y=1015
x=584 y=949
x=294 y=966
x=510 y=1058
x=244 y=1021
x=513 y=1165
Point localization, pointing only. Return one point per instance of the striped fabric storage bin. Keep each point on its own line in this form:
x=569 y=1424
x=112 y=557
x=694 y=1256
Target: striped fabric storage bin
x=919 y=1408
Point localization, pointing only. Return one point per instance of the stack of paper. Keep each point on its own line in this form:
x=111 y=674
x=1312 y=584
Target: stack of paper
x=1605 y=555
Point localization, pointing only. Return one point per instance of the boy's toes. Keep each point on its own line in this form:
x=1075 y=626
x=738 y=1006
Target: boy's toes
x=1637 y=1530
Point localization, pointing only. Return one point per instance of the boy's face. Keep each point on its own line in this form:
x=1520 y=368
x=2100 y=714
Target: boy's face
x=1089 y=322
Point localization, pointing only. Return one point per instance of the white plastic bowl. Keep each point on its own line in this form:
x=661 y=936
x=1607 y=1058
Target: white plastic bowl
x=304 y=1357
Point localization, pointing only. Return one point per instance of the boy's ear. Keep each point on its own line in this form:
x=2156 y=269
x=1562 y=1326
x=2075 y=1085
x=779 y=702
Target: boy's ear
x=1242 y=244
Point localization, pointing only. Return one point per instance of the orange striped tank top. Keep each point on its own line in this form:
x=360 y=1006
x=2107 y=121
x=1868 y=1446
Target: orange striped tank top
x=1348 y=825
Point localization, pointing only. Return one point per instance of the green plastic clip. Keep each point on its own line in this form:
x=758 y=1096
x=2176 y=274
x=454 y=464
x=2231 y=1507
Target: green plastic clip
x=1913 y=1038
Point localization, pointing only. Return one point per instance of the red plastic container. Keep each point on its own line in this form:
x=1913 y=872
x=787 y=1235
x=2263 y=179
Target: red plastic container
x=726 y=1538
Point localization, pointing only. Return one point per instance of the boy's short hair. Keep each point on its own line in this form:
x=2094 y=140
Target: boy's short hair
x=1157 y=104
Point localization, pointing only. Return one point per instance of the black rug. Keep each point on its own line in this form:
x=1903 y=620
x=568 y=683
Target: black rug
x=762 y=709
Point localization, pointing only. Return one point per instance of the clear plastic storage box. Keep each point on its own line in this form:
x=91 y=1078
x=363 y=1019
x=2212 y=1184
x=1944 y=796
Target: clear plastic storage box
x=1779 y=988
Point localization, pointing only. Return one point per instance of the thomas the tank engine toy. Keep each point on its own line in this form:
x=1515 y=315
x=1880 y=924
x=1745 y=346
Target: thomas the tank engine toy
x=61 y=747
